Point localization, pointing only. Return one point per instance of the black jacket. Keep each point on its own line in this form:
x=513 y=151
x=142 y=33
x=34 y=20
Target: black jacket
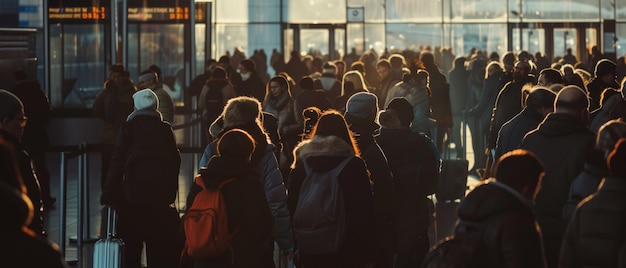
x=595 y=235
x=513 y=131
x=586 y=183
x=512 y=236
x=484 y=109
x=595 y=88
x=561 y=143
x=325 y=153
x=508 y=104
x=145 y=164
x=247 y=211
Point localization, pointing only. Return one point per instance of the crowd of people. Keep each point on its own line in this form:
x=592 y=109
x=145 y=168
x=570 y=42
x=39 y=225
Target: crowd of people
x=365 y=134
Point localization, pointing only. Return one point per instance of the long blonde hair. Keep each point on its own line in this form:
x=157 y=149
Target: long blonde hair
x=356 y=79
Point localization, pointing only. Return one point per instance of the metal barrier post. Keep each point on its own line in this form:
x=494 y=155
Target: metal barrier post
x=63 y=201
x=80 y=216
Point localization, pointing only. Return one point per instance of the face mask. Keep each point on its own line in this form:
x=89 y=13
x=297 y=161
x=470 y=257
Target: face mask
x=245 y=76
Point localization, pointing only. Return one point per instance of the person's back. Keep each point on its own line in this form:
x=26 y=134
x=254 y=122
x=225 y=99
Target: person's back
x=503 y=209
x=561 y=142
x=595 y=236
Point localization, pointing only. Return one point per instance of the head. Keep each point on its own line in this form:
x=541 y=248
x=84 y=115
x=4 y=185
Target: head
x=403 y=110
x=247 y=68
x=157 y=70
x=145 y=99
x=341 y=68
x=494 y=68
x=329 y=69
x=358 y=66
x=383 y=68
x=12 y=118
x=219 y=74
x=549 y=76
x=209 y=66
x=605 y=70
x=573 y=100
x=541 y=99
x=362 y=105
x=608 y=134
x=422 y=77
x=117 y=74
x=458 y=63
x=522 y=171
x=147 y=79
x=521 y=70
x=237 y=144
x=397 y=61
x=508 y=61
x=277 y=86
x=306 y=83
x=617 y=157
x=356 y=79
x=240 y=111
x=427 y=58
x=332 y=123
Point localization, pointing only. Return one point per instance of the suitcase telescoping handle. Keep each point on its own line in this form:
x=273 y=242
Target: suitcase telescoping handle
x=111 y=222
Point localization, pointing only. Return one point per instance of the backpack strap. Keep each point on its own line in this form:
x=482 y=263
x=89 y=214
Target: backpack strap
x=200 y=182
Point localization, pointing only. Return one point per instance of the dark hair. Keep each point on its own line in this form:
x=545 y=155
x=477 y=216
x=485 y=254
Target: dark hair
x=383 y=63
x=552 y=75
x=332 y=123
x=519 y=168
x=283 y=83
x=540 y=97
x=358 y=66
x=249 y=65
x=158 y=72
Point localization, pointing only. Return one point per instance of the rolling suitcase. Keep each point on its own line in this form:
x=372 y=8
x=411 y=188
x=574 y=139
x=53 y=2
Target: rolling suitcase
x=108 y=252
x=453 y=176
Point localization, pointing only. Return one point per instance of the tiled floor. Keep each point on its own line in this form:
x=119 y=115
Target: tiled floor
x=446 y=212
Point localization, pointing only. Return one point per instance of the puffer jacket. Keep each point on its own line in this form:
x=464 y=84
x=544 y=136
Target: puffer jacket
x=512 y=236
x=322 y=154
x=595 y=235
x=272 y=180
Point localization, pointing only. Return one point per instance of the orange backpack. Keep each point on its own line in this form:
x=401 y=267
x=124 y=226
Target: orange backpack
x=206 y=223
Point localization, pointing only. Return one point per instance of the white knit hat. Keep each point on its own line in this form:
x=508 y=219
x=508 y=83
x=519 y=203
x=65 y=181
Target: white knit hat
x=145 y=99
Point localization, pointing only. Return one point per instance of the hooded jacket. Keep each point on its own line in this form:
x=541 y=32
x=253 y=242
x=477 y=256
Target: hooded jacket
x=561 y=142
x=247 y=211
x=329 y=83
x=113 y=105
x=322 y=154
x=512 y=236
x=512 y=132
x=418 y=97
x=508 y=104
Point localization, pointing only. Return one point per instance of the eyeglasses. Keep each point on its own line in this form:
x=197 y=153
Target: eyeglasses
x=22 y=119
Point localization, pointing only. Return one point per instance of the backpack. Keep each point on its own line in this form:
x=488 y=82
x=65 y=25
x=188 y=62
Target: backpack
x=463 y=249
x=320 y=221
x=206 y=223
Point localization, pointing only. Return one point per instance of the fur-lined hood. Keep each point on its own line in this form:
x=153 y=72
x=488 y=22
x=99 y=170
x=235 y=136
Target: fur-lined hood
x=322 y=146
x=389 y=119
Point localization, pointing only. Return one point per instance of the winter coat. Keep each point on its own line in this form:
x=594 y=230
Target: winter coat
x=253 y=87
x=248 y=215
x=37 y=109
x=459 y=89
x=595 y=235
x=312 y=98
x=512 y=236
x=113 y=106
x=586 y=183
x=265 y=161
x=30 y=180
x=289 y=124
x=484 y=109
x=144 y=165
x=322 y=154
x=330 y=85
x=440 y=99
x=380 y=174
x=213 y=97
x=603 y=114
x=561 y=142
x=383 y=90
x=166 y=105
x=414 y=165
x=508 y=104
x=418 y=97
x=513 y=131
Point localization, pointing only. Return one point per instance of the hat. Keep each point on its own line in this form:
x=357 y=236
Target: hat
x=616 y=159
x=329 y=68
x=240 y=111
x=10 y=105
x=145 y=99
x=604 y=67
x=362 y=105
x=306 y=83
x=236 y=143
x=403 y=109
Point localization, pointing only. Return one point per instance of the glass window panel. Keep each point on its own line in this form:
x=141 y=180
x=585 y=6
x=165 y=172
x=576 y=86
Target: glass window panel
x=413 y=36
x=77 y=65
x=231 y=11
x=375 y=37
x=356 y=35
x=414 y=11
x=374 y=9
x=474 y=10
x=200 y=48
x=564 y=38
x=543 y=10
x=535 y=40
x=620 y=30
x=486 y=37
x=247 y=37
x=621 y=10
x=340 y=39
x=318 y=11
x=314 y=42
